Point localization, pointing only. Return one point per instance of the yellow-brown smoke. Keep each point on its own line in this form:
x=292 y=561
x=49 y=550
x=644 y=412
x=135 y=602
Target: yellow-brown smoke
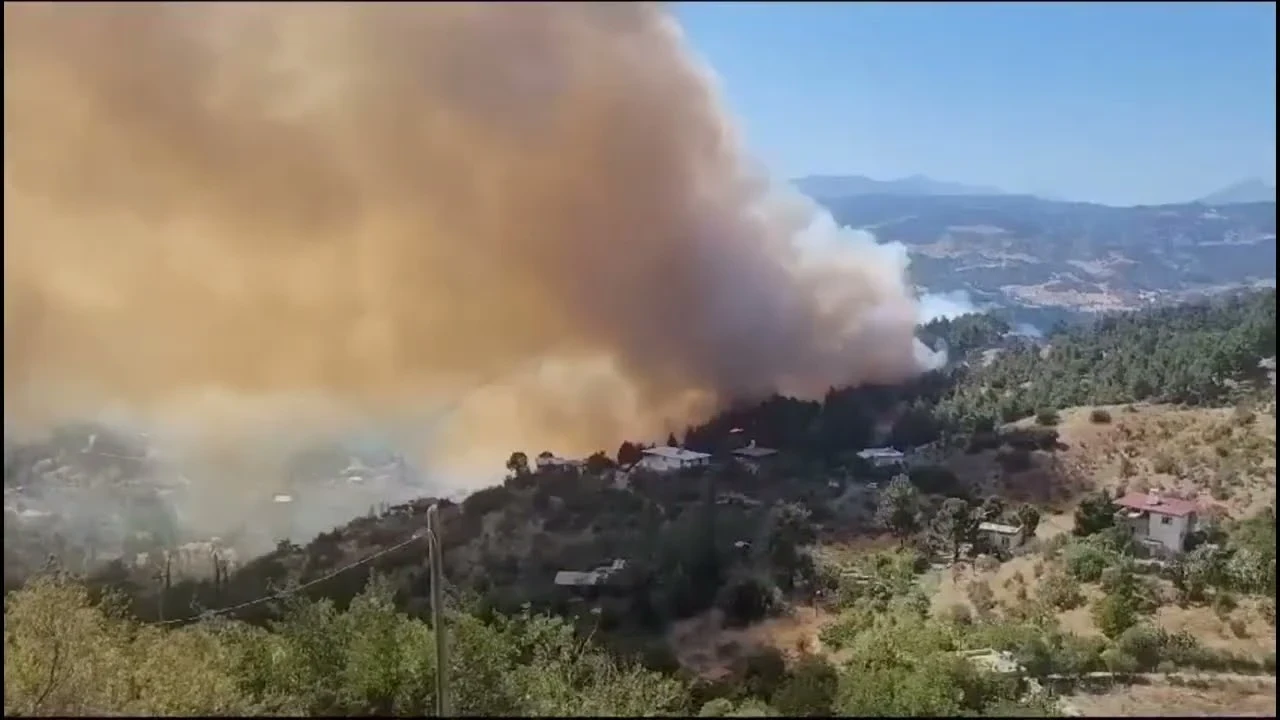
x=217 y=214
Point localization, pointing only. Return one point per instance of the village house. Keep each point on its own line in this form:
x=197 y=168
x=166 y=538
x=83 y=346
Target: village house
x=1002 y=663
x=883 y=457
x=1001 y=536
x=753 y=457
x=1159 y=523
x=997 y=662
x=550 y=461
x=591 y=578
x=667 y=459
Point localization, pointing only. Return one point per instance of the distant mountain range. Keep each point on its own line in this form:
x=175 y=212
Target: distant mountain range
x=835 y=186
x=1251 y=190
x=822 y=187
x=1049 y=259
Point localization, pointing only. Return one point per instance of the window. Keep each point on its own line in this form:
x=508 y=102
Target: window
x=1166 y=520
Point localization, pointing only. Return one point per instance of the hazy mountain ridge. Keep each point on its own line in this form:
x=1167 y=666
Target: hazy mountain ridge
x=1023 y=252
x=834 y=186
x=1250 y=190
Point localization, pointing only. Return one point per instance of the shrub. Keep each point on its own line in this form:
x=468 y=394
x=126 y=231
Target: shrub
x=1145 y=644
x=1061 y=592
x=958 y=614
x=1224 y=603
x=1086 y=561
x=717 y=707
x=1118 y=662
x=1164 y=464
x=986 y=564
x=763 y=672
x=1079 y=655
x=1099 y=416
x=1016 y=460
x=982 y=597
x=1094 y=514
x=1034 y=438
x=1047 y=416
x=1242 y=415
x=1127 y=468
x=1114 y=613
x=745 y=600
x=809 y=691
x=483 y=502
x=980 y=441
x=934 y=479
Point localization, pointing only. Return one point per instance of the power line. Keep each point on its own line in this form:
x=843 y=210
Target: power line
x=286 y=593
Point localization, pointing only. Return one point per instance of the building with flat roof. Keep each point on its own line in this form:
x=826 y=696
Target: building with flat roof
x=883 y=457
x=664 y=458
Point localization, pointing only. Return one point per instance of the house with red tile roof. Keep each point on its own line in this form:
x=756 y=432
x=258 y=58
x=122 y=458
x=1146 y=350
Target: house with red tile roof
x=1158 y=522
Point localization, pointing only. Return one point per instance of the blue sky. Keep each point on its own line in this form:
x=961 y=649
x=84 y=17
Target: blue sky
x=1120 y=103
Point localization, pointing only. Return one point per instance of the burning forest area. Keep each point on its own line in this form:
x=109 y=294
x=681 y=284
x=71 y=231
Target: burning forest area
x=369 y=226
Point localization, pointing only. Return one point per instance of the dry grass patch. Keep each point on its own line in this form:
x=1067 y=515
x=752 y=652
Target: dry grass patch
x=1212 y=698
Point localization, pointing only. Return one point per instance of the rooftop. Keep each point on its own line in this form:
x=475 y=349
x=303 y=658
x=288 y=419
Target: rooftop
x=572 y=577
x=885 y=452
x=593 y=577
x=1000 y=528
x=556 y=461
x=997 y=661
x=1157 y=504
x=675 y=453
x=755 y=452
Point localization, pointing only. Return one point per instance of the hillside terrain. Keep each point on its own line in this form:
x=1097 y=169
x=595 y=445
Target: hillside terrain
x=810 y=583
x=1044 y=257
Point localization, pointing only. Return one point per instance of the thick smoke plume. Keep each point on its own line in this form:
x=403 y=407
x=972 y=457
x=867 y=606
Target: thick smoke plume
x=231 y=220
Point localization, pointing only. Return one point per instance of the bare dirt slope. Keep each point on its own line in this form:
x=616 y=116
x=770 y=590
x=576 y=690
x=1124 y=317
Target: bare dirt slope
x=1214 y=696
x=1224 y=457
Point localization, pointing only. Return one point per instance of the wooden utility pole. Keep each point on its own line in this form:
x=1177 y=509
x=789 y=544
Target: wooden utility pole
x=436 y=563
x=164 y=579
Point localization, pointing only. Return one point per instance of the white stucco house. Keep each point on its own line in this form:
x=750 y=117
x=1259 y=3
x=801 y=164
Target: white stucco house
x=667 y=459
x=883 y=457
x=1158 y=522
